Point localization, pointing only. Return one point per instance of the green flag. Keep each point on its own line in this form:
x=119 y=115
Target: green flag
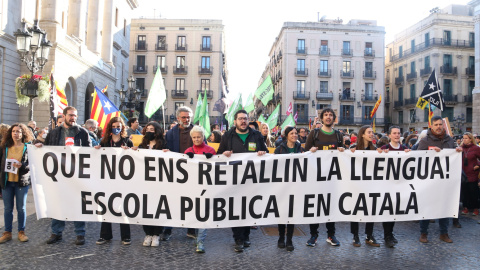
x=261 y=119
x=265 y=91
x=204 y=120
x=288 y=122
x=156 y=96
x=273 y=118
x=249 y=106
x=236 y=105
x=196 y=117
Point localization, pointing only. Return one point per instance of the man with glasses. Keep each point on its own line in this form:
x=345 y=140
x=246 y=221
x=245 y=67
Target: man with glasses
x=91 y=125
x=302 y=135
x=133 y=125
x=241 y=139
x=178 y=140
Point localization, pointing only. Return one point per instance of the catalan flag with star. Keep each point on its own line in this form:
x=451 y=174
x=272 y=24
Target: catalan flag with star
x=102 y=108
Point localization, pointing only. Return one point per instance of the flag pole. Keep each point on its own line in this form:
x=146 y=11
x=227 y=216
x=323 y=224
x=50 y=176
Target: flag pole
x=163 y=114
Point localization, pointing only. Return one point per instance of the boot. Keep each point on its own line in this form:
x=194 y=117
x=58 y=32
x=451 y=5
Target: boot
x=281 y=242
x=6 y=236
x=290 y=246
x=444 y=237
x=22 y=237
x=423 y=238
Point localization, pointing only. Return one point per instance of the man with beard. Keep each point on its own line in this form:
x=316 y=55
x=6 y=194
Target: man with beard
x=178 y=140
x=325 y=138
x=436 y=139
x=241 y=139
x=68 y=134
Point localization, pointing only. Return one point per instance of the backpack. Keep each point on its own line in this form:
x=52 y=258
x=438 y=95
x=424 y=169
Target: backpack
x=339 y=136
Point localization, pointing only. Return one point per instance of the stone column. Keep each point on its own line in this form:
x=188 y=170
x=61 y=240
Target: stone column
x=94 y=26
x=51 y=20
x=76 y=18
x=476 y=90
x=107 y=32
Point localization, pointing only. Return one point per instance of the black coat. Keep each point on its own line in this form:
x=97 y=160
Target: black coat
x=81 y=137
x=23 y=171
x=232 y=142
x=283 y=148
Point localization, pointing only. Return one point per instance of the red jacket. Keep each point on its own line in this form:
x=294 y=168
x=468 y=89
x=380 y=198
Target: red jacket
x=472 y=153
x=203 y=148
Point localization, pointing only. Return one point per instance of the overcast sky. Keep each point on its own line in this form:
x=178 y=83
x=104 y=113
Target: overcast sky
x=251 y=26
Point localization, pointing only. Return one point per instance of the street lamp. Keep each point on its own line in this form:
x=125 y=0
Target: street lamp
x=33 y=48
x=458 y=122
x=134 y=95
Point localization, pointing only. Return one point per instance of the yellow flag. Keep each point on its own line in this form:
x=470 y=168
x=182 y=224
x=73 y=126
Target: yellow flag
x=422 y=103
x=373 y=125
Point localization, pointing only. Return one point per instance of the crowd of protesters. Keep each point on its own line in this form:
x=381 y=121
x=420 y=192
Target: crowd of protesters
x=245 y=136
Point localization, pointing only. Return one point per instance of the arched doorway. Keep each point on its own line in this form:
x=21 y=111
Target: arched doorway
x=71 y=92
x=88 y=99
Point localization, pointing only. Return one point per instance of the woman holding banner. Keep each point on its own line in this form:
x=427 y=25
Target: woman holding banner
x=364 y=142
x=115 y=136
x=15 y=178
x=290 y=145
x=153 y=138
x=200 y=148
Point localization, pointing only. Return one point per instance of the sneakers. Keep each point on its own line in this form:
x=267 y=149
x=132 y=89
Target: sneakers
x=423 y=238
x=22 y=237
x=444 y=237
x=238 y=246
x=465 y=211
x=80 y=240
x=200 y=248
x=332 y=240
x=6 y=236
x=101 y=241
x=475 y=212
x=54 y=238
x=246 y=242
x=147 y=241
x=389 y=241
x=281 y=242
x=290 y=246
x=370 y=240
x=312 y=241
x=356 y=241
x=166 y=235
x=126 y=242
x=155 y=241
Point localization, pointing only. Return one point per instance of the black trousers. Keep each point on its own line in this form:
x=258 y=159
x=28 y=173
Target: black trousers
x=152 y=230
x=106 y=231
x=388 y=228
x=290 y=228
x=471 y=194
x=241 y=233
x=330 y=229
x=368 y=228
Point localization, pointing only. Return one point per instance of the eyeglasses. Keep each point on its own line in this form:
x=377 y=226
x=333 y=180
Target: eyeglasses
x=185 y=117
x=242 y=118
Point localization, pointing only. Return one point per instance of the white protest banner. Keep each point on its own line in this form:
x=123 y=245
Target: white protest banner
x=156 y=188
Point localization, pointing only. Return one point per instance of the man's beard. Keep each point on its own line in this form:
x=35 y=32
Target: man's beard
x=185 y=125
x=242 y=130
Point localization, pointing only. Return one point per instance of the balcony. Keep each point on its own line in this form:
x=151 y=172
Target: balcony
x=139 y=47
x=369 y=53
x=448 y=70
x=205 y=70
x=468 y=99
x=346 y=97
x=411 y=76
x=324 y=96
x=434 y=42
x=411 y=101
x=324 y=51
x=426 y=71
x=346 y=74
x=346 y=52
x=301 y=95
x=398 y=103
x=325 y=73
x=140 y=69
x=144 y=93
x=370 y=98
x=470 y=72
x=180 y=70
x=302 y=51
x=164 y=70
x=369 y=74
x=209 y=93
x=183 y=94
x=181 y=47
x=161 y=47
x=301 y=72
x=399 y=80
x=450 y=99
x=205 y=47
x=346 y=120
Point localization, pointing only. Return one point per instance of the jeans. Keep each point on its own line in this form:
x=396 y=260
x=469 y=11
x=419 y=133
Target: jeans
x=330 y=229
x=11 y=191
x=442 y=222
x=201 y=235
x=59 y=225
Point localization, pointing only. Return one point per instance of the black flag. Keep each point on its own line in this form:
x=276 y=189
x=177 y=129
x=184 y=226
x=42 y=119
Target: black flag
x=432 y=92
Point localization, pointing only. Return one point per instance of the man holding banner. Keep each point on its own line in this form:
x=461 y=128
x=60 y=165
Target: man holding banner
x=241 y=139
x=436 y=139
x=324 y=138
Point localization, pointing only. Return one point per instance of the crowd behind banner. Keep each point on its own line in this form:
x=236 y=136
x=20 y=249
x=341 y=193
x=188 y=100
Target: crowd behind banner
x=245 y=136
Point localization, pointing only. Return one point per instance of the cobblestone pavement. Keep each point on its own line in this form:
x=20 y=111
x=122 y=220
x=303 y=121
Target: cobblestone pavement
x=179 y=252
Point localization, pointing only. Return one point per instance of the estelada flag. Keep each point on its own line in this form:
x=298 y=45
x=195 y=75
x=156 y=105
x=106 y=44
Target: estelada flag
x=102 y=108
x=376 y=106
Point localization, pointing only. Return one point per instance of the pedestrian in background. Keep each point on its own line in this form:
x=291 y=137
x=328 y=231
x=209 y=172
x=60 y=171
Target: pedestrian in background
x=471 y=168
x=267 y=138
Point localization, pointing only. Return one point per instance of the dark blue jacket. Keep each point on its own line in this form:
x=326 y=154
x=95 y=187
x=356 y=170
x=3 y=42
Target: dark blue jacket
x=173 y=139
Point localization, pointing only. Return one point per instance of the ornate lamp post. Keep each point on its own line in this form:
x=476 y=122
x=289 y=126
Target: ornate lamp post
x=33 y=48
x=458 y=122
x=134 y=95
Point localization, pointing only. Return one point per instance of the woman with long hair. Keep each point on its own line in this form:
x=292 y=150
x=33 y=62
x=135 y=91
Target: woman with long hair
x=265 y=130
x=215 y=137
x=115 y=136
x=364 y=142
x=471 y=168
x=290 y=145
x=15 y=179
x=153 y=138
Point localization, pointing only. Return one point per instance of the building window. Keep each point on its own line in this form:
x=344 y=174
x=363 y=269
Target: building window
x=124 y=27
x=300 y=87
x=400 y=94
x=140 y=83
x=181 y=43
x=412 y=91
x=412 y=67
x=346 y=48
x=161 y=42
x=346 y=66
x=323 y=86
x=322 y=106
x=412 y=46
x=346 y=112
x=301 y=46
x=448 y=112
x=471 y=39
x=180 y=84
x=447 y=87
x=205 y=84
x=412 y=116
x=301 y=66
x=324 y=47
x=400 y=51
x=400 y=72
x=447 y=38
x=369 y=69
x=471 y=85
x=369 y=91
x=142 y=41
x=116 y=17
x=447 y=60
x=400 y=117
x=323 y=67
x=140 y=62
x=469 y=118
x=206 y=43
x=427 y=39
x=178 y=105
x=180 y=61
x=366 y=112
x=427 y=62
x=205 y=62
x=161 y=59
x=425 y=115
x=471 y=63
x=302 y=112
x=368 y=48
